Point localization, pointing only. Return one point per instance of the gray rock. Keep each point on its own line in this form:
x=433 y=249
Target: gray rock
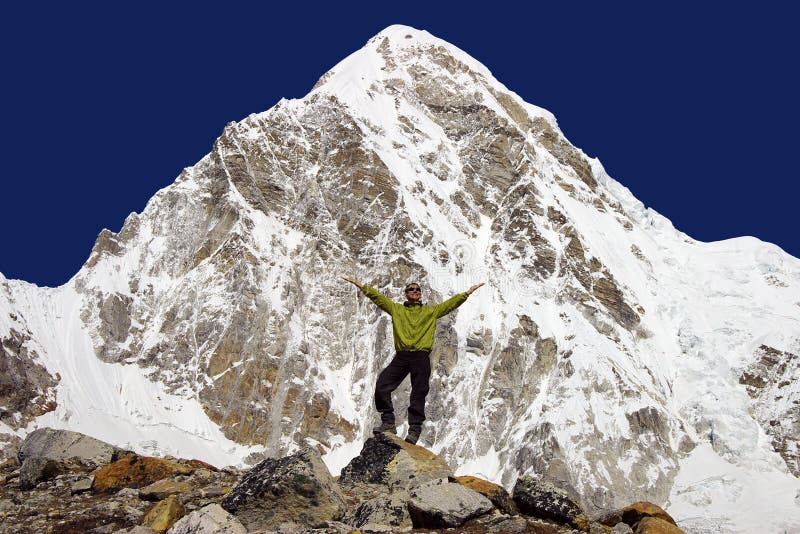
x=290 y=527
x=500 y=522
x=138 y=529
x=442 y=504
x=37 y=469
x=64 y=445
x=621 y=528
x=211 y=519
x=388 y=461
x=384 y=510
x=541 y=499
x=297 y=488
x=376 y=528
x=128 y=492
x=81 y=485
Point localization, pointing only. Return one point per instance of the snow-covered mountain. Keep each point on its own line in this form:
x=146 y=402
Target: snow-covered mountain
x=607 y=352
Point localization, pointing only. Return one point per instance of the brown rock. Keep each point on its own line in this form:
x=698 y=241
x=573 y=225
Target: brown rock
x=162 y=489
x=497 y=494
x=608 y=293
x=654 y=525
x=164 y=514
x=637 y=511
x=634 y=513
x=134 y=471
x=200 y=464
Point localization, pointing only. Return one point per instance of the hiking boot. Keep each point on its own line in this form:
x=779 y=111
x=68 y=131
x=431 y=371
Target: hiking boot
x=413 y=434
x=385 y=427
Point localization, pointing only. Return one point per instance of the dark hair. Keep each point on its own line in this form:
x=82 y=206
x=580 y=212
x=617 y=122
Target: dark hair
x=412 y=284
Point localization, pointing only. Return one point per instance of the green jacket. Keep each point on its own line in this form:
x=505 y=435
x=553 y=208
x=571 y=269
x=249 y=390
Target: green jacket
x=413 y=324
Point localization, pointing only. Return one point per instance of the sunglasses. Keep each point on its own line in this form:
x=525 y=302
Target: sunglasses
x=410 y=289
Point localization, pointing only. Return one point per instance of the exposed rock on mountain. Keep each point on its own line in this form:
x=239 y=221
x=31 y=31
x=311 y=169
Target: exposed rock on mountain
x=27 y=390
x=603 y=355
x=773 y=382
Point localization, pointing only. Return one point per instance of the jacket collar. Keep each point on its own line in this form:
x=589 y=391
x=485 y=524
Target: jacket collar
x=409 y=304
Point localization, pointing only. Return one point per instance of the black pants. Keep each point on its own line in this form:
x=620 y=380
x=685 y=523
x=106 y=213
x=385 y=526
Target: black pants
x=419 y=365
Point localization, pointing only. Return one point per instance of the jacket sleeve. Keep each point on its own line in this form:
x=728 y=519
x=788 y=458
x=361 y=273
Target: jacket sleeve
x=378 y=298
x=450 y=304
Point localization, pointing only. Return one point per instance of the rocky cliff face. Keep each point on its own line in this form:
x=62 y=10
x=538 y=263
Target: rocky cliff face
x=771 y=381
x=605 y=347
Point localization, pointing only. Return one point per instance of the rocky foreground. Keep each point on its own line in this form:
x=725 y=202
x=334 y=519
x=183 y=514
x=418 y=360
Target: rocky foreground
x=65 y=482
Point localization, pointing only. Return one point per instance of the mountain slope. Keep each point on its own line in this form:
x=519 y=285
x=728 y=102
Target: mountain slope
x=605 y=352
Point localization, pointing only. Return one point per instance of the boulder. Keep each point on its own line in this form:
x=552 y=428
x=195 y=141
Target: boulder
x=621 y=528
x=655 y=525
x=62 y=445
x=497 y=494
x=541 y=499
x=634 y=513
x=134 y=471
x=637 y=511
x=390 y=462
x=164 y=514
x=37 y=469
x=208 y=492
x=81 y=484
x=503 y=523
x=211 y=519
x=444 y=504
x=162 y=489
x=297 y=488
x=384 y=510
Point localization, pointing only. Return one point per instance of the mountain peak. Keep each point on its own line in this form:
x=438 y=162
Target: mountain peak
x=392 y=54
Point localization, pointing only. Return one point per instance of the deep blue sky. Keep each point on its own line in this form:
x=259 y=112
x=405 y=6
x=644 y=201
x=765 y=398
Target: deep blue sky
x=693 y=107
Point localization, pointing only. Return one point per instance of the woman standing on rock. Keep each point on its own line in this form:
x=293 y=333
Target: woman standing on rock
x=413 y=327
